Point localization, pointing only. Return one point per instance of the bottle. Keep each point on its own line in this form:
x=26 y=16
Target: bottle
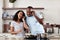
x=38 y=36
x=4 y=15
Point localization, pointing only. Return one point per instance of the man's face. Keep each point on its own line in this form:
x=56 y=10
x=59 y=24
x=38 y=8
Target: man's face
x=29 y=11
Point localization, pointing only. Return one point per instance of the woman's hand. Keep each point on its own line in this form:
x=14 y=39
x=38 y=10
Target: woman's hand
x=23 y=19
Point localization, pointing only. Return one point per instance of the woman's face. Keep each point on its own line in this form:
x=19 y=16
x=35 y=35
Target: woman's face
x=20 y=15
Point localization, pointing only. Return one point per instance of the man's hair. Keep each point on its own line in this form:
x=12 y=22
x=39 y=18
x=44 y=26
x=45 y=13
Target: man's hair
x=29 y=7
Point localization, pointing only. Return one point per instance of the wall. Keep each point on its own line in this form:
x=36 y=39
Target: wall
x=51 y=11
x=1 y=4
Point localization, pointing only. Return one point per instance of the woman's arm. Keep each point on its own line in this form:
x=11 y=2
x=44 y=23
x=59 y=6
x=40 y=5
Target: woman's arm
x=25 y=25
x=14 y=32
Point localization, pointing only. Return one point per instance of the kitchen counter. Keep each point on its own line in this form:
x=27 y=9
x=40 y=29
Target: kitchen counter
x=6 y=36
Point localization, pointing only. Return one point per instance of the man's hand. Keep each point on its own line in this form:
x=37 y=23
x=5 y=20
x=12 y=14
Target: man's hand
x=33 y=13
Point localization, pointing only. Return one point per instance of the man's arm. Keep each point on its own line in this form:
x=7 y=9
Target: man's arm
x=38 y=19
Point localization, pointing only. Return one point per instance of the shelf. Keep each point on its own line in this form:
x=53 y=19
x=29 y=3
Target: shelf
x=19 y=8
x=7 y=18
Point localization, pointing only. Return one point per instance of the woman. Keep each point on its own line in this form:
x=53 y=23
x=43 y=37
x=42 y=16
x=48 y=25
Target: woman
x=18 y=24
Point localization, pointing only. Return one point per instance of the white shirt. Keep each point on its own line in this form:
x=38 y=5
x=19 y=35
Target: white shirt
x=18 y=27
x=35 y=26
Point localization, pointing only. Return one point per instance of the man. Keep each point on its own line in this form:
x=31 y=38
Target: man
x=34 y=22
